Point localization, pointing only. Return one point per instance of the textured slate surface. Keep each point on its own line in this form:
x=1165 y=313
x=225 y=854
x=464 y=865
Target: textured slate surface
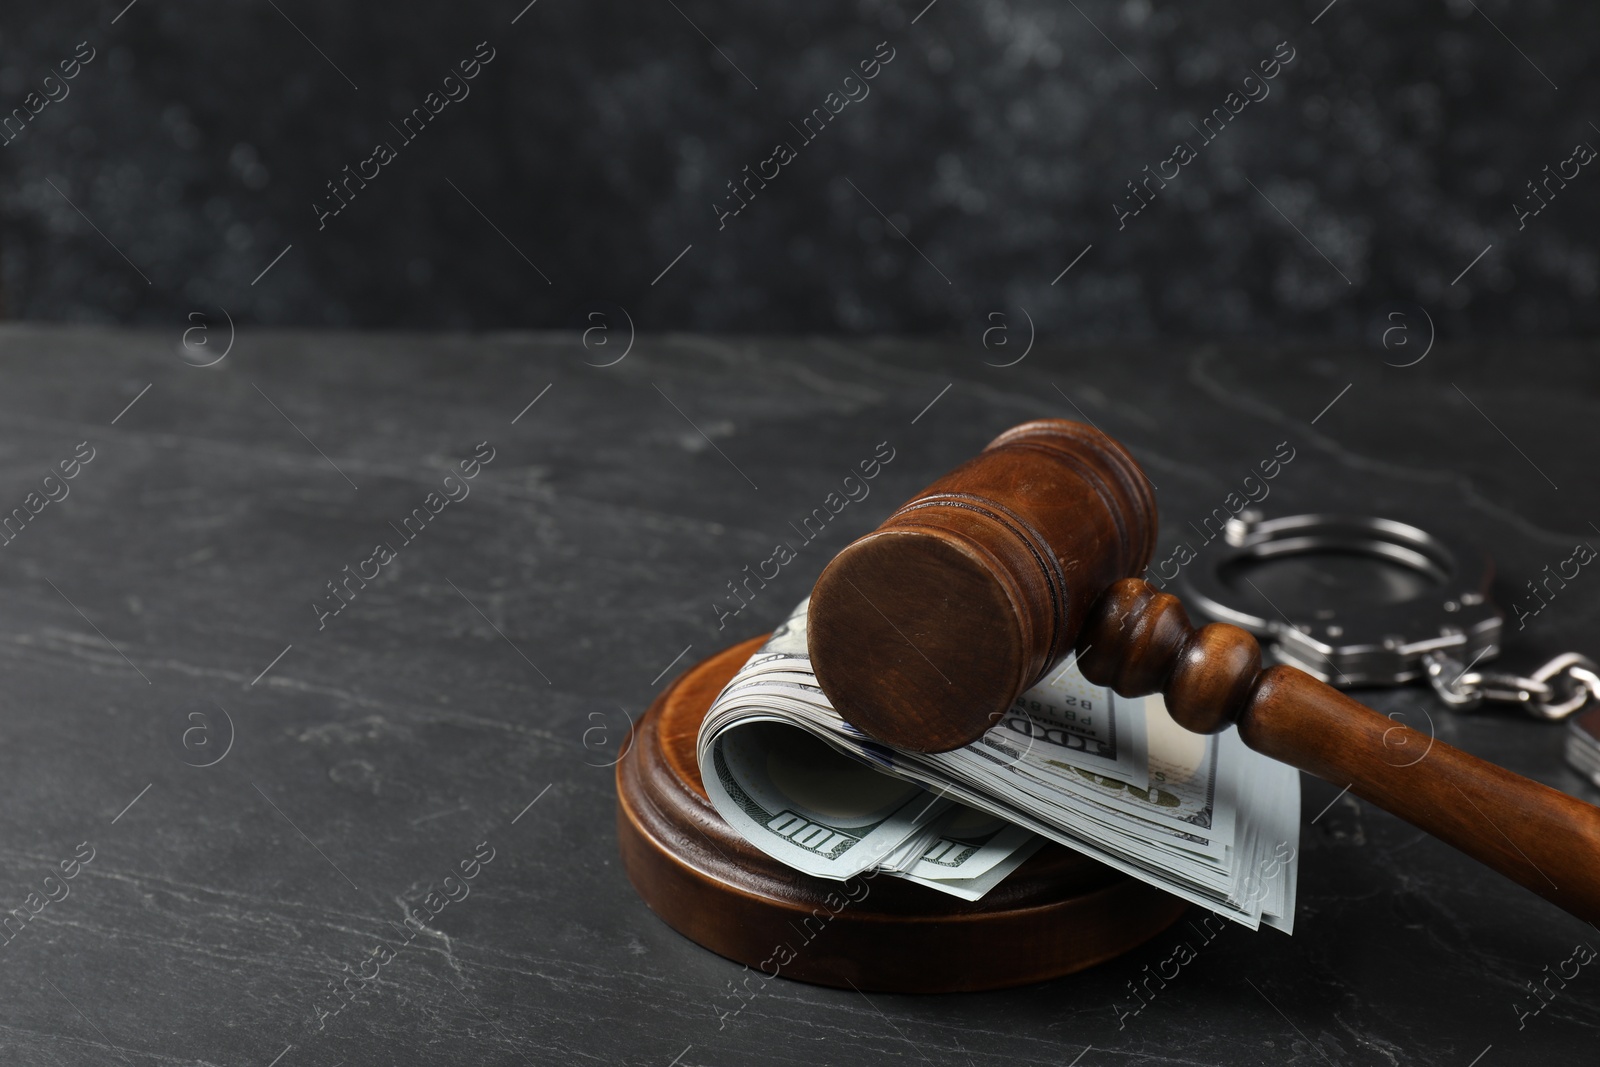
x=592 y=149
x=496 y=660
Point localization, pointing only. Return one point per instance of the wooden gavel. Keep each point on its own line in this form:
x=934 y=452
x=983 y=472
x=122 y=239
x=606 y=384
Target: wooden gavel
x=923 y=633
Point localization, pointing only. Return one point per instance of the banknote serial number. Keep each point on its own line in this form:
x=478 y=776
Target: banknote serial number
x=1074 y=714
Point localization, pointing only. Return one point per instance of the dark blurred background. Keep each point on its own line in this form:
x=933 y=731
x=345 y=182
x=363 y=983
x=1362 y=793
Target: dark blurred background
x=590 y=152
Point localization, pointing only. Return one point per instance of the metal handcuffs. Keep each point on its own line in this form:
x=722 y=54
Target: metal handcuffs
x=1442 y=634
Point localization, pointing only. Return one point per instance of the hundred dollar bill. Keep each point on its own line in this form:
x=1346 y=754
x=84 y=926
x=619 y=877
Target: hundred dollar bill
x=1183 y=784
x=968 y=843
x=975 y=888
x=1203 y=817
x=973 y=852
x=915 y=847
x=1068 y=721
x=809 y=805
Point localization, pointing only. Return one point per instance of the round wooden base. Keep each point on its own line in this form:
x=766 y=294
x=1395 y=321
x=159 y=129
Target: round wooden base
x=1059 y=912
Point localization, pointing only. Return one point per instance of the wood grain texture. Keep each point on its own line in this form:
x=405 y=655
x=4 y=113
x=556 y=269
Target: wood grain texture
x=971 y=590
x=1058 y=913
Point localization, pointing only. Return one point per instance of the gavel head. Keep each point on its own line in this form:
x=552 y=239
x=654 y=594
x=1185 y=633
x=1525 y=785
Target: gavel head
x=923 y=632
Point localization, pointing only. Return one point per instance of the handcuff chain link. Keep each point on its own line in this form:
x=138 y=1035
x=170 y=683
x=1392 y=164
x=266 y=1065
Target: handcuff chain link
x=1554 y=691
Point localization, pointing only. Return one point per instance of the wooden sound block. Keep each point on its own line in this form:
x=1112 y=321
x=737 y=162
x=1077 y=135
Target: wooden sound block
x=1058 y=913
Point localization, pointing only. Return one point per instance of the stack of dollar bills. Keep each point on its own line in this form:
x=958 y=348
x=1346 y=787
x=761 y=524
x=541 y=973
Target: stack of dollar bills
x=1200 y=816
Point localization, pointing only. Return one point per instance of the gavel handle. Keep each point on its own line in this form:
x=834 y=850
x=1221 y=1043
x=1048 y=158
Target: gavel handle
x=1539 y=837
x=1139 y=641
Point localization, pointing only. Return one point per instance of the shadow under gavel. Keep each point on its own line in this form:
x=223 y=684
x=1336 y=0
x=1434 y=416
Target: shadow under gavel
x=923 y=633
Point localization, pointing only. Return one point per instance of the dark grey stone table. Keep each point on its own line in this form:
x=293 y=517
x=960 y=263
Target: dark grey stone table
x=168 y=612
